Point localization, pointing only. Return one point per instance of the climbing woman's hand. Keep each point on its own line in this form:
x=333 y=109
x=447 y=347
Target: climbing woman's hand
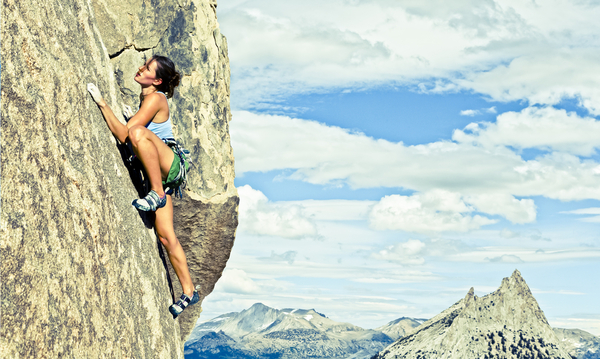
x=127 y=113
x=96 y=95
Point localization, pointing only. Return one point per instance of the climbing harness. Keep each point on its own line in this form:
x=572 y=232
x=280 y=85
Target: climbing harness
x=177 y=184
x=180 y=181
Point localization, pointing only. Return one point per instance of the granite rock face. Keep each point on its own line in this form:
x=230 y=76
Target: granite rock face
x=82 y=275
x=507 y=323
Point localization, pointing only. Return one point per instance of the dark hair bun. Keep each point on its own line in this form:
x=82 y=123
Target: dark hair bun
x=174 y=83
x=165 y=70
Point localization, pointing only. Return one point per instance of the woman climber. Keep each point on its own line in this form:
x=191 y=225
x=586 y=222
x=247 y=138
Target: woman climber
x=145 y=131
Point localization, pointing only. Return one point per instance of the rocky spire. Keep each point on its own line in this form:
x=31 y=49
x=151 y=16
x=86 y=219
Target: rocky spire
x=507 y=323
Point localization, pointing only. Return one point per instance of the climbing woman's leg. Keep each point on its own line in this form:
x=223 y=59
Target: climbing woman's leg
x=157 y=158
x=155 y=155
x=164 y=228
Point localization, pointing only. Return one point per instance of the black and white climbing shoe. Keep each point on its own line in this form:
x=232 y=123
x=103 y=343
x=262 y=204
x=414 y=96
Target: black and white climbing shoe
x=151 y=202
x=184 y=302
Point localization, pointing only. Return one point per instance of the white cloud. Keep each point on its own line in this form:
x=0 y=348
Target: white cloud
x=507 y=49
x=544 y=128
x=286 y=47
x=593 y=210
x=592 y=219
x=516 y=211
x=321 y=154
x=335 y=210
x=469 y=112
x=259 y=216
x=406 y=253
x=237 y=281
x=430 y=212
x=525 y=254
x=544 y=78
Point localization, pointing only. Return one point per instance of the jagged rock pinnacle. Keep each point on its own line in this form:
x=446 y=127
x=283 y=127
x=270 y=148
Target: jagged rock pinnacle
x=507 y=323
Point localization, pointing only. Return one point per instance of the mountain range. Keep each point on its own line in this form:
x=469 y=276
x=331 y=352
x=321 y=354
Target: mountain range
x=505 y=324
x=264 y=332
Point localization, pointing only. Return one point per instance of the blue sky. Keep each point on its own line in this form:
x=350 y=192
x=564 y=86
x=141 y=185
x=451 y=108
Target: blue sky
x=392 y=154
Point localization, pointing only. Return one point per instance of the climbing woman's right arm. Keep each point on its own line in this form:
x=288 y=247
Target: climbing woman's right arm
x=116 y=127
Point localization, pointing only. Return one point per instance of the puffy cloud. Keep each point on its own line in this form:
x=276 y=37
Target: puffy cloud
x=507 y=49
x=288 y=47
x=433 y=211
x=237 y=281
x=469 y=112
x=543 y=128
x=544 y=78
x=516 y=211
x=321 y=154
x=259 y=216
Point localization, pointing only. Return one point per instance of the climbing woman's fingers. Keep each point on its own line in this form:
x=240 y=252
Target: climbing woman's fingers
x=93 y=90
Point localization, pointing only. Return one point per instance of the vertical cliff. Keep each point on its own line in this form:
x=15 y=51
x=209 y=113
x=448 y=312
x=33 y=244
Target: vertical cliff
x=81 y=271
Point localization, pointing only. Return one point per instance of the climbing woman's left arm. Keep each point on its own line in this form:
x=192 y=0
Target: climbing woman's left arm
x=148 y=109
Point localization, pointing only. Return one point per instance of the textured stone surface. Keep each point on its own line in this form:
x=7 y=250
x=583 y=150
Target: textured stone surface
x=505 y=324
x=81 y=272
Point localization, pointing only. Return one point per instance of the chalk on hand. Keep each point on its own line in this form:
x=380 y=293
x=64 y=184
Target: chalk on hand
x=93 y=90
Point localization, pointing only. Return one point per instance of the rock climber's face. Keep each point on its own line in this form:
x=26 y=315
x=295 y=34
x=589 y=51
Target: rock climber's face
x=146 y=74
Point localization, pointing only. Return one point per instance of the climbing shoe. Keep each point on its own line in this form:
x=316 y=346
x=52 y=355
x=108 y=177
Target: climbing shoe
x=183 y=303
x=151 y=202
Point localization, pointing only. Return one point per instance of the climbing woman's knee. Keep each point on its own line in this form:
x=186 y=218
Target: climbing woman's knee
x=136 y=133
x=168 y=241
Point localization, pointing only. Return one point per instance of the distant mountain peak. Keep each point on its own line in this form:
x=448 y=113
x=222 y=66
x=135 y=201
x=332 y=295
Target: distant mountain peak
x=261 y=331
x=507 y=323
x=259 y=305
x=515 y=283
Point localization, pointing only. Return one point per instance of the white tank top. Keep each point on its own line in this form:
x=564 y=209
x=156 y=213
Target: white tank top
x=164 y=129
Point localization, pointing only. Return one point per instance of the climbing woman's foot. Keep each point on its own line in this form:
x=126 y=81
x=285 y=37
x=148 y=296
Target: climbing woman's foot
x=184 y=302
x=189 y=291
x=151 y=202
